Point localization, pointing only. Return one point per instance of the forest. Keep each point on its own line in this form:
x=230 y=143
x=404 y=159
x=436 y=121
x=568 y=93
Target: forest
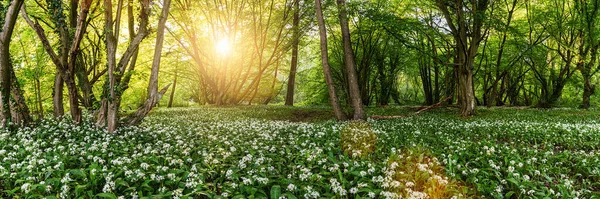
x=299 y=99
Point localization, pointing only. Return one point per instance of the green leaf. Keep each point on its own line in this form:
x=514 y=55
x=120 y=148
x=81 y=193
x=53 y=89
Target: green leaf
x=275 y=192
x=509 y=194
x=290 y=196
x=78 y=173
x=106 y=195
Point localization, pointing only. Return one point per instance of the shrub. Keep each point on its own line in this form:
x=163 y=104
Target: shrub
x=358 y=139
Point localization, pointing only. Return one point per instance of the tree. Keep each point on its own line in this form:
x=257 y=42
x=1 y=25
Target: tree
x=69 y=46
x=154 y=95
x=6 y=70
x=588 y=42
x=119 y=74
x=325 y=62
x=552 y=64
x=465 y=20
x=289 y=98
x=354 y=90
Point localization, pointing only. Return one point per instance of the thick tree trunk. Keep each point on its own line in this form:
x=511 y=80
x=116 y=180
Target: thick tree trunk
x=467 y=37
x=467 y=98
x=588 y=91
x=57 y=96
x=354 y=90
x=5 y=86
x=339 y=114
x=112 y=114
x=19 y=109
x=73 y=100
x=87 y=98
x=289 y=97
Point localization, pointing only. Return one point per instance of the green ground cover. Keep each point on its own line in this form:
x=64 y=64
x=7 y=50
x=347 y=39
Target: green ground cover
x=279 y=152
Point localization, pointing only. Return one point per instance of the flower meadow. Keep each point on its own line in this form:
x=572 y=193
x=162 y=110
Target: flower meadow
x=253 y=152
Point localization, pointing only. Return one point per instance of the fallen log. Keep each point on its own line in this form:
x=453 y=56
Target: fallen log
x=411 y=114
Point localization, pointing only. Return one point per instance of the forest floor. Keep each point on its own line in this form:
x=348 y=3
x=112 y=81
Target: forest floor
x=283 y=152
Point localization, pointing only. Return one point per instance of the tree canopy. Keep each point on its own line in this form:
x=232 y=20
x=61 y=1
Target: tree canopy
x=116 y=57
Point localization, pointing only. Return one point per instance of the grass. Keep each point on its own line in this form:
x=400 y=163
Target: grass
x=286 y=152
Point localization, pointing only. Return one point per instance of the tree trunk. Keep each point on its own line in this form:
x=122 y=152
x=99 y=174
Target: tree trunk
x=588 y=91
x=87 y=99
x=19 y=108
x=38 y=95
x=5 y=86
x=354 y=90
x=119 y=73
x=69 y=49
x=467 y=98
x=57 y=96
x=73 y=100
x=325 y=61
x=172 y=92
x=154 y=95
x=111 y=104
x=11 y=13
x=465 y=27
x=289 y=97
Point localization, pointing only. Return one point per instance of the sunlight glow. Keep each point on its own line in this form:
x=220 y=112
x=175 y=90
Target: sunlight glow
x=223 y=47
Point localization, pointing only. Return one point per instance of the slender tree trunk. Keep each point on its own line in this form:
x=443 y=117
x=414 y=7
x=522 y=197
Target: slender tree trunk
x=11 y=13
x=69 y=46
x=154 y=95
x=172 y=92
x=354 y=90
x=110 y=105
x=339 y=114
x=289 y=98
x=38 y=95
x=273 y=93
x=465 y=27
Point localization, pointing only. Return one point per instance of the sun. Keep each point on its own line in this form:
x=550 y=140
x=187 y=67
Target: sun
x=223 y=47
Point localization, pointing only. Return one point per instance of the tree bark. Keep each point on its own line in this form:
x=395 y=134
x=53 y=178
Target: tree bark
x=289 y=98
x=354 y=90
x=339 y=114
x=467 y=37
x=57 y=96
x=172 y=91
x=20 y=110
x=10 y=19
x=154 y=95
x=588 y=90
x=119 y=72
x=65 y=60
x=38 y=95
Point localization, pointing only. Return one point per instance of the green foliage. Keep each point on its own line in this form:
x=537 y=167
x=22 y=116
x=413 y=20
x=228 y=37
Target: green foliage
x=358 y=139
x=236 y=152
x=415 y=173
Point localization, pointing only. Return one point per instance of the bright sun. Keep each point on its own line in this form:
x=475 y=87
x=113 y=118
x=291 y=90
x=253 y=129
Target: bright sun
x=223 y=47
